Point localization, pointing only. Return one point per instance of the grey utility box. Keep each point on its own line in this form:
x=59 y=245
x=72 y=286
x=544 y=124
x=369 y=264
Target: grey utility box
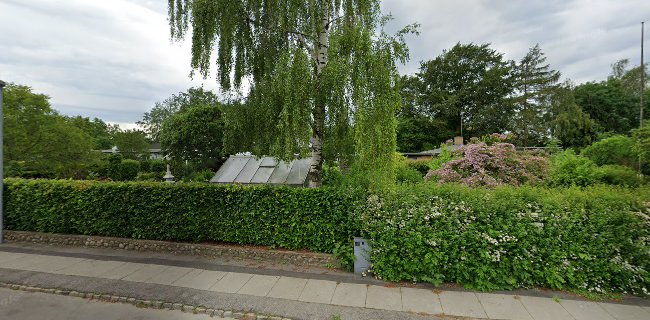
x=361 y=255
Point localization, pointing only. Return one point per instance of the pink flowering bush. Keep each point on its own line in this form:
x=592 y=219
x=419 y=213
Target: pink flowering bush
x=480 y=164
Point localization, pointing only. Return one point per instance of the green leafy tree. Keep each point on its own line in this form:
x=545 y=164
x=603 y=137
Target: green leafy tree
x=615 y=150
x=610 y=104
x=535 y=82
x=313 y=65
x=39 y=142
x=100 y=131
x=195 y=134
x=468 y=87
x=417 y=130
x=642 y=139
x=570 y=125
x=152 y=120
x=132 y=144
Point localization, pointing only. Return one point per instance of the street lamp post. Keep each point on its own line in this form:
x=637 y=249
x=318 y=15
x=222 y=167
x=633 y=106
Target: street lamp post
x=2 y=181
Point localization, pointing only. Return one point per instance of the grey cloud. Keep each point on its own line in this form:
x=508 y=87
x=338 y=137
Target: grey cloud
x=113 y=59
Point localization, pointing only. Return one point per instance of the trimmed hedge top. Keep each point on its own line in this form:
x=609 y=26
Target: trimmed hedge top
x=291 y=218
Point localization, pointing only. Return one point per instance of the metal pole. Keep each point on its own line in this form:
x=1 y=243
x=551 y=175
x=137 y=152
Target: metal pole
x=2 y=181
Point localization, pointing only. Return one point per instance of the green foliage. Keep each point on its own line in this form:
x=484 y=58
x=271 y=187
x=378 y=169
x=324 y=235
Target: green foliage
x=120 y=169
x=619 y=176
x=642 y=145
x=422 y=165
x=468 y=85
x=291 y=218
x=610 y=104
x=149 y=176
x=570 y=124
x=592 y=239
x=315 y=66
x=404 y=172
x=571 y=169
x=152 y=120
x=195 y=135
x=417 y=130
x=129 y=169
x=132 y=144
x=98 y=130
x=535 y=83
x=155 y=165
x=445 y=156
x=332 y=175
x=38 y=142
x=200 y=176
x=618 y=149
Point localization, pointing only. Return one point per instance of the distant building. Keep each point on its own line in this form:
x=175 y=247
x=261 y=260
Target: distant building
x=429 y=154
x=155 y=151
x=247 y=170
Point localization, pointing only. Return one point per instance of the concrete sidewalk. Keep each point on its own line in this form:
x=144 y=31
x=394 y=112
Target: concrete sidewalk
x=345 y=298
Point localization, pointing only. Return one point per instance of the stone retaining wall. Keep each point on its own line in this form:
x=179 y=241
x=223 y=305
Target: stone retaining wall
x=181 y=248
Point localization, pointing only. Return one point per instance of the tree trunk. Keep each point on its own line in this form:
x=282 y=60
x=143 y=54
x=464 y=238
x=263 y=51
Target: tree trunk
x=318 y=112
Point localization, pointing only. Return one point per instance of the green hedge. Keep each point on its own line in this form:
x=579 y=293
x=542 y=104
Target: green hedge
x=292 y=218
x=582 y=239
x=593 y=239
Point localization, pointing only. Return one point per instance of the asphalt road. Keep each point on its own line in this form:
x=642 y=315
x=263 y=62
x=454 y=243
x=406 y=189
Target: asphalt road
x=20 y=305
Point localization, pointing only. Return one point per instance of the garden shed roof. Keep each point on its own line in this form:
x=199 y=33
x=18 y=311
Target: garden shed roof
x=247 y=169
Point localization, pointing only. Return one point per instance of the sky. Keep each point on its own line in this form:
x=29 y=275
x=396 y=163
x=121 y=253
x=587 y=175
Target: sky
x=114 y=59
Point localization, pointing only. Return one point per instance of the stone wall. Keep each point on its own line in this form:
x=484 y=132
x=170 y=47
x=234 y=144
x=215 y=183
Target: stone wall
x=181 y=248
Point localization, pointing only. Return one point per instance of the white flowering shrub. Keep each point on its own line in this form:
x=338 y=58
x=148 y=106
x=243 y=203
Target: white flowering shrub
x=595 y=239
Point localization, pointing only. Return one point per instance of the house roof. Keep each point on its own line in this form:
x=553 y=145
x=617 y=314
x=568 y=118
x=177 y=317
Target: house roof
x=433 y=152
x=246 y=169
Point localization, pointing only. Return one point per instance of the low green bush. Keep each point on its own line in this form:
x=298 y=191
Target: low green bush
x=619 y=175
x=571 y=169
x=615 y=150
x=422 y=166
x=591 y=239
x=292 y=218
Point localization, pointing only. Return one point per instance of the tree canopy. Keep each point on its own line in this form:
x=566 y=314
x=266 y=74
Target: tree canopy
x=466 y=88
x=535 y=83
x=318 y=70
x=194 y=134
x=152 y=120
x=38 y=141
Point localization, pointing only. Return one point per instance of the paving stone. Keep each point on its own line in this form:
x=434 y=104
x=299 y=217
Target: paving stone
x=90 y=268
x=586 y=310
x=168 y=276
x=146 y=272
x=122 y=270
x=54 y=264
x=420 y=301
x=259 y=285
x=458 y=303
x=231 y=282
x=503 y=306
x=384 y=298
x=23 y=263
x=288 y=288
x=6 y=257
x=199 y=279
x=625 y=312
x=545 y=308
x=318 y=291
x=351 y=295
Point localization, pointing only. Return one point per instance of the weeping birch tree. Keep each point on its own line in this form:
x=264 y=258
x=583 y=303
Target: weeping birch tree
x=323 y=81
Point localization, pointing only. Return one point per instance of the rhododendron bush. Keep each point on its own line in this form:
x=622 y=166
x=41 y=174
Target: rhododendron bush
x=481 y=164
